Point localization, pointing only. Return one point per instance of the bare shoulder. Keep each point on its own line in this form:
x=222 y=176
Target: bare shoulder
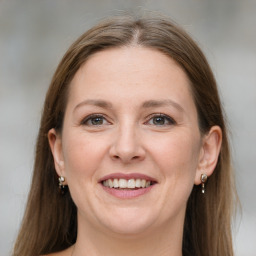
x=66 y=252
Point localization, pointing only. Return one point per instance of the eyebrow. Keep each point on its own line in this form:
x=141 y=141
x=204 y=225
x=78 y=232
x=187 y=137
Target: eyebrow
x=162 y=103
x=98 y=103
x=146 y=104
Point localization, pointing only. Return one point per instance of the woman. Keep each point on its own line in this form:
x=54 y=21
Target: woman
x=132 y=154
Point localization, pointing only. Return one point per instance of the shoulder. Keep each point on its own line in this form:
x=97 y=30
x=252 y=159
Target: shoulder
x=53 y=254
x=66 y=252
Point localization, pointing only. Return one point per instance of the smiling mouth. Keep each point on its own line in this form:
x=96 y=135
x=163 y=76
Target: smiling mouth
x=127 y=184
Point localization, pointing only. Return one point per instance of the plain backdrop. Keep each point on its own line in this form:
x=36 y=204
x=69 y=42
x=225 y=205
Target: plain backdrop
x=34 y=34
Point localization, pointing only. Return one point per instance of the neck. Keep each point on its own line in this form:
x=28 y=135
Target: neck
x=165 y=241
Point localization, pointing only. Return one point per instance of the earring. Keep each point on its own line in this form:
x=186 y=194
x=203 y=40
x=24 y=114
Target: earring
x=203 y=180
x=62 y=187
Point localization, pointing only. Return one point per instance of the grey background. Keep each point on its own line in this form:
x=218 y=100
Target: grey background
x=34 y=35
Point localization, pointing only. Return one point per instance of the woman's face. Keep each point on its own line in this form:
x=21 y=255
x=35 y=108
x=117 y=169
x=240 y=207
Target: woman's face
x=130 y=147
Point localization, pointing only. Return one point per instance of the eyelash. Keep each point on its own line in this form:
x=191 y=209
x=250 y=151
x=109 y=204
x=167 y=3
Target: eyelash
x=91 y=117
x=170 y=121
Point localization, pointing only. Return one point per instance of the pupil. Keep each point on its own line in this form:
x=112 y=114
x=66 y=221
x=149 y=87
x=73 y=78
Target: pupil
x=97 y=120
x=158 y=120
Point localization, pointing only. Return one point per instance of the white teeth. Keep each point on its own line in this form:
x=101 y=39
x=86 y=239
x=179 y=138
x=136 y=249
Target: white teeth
x=138 y=183
x=115 y=183
x=110 y=183
x=131 y=183
x=123 y=183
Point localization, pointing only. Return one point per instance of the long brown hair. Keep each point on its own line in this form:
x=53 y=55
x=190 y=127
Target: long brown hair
x=50 y=223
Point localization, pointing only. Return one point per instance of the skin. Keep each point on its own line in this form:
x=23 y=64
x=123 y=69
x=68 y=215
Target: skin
x=131 y=137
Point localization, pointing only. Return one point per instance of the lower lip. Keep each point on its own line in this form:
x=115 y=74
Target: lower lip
x=126 y=194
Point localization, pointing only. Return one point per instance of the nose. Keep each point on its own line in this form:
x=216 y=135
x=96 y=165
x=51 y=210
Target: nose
x=127 y=146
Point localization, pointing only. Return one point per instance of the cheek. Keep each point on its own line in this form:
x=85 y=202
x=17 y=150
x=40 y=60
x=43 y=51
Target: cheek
x=177 y=160
x=177 y=157
x=82 y=155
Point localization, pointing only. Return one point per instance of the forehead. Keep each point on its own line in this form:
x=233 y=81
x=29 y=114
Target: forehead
x=128 y=72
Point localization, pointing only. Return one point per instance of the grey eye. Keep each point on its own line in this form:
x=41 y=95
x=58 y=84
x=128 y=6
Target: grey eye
x=94 y=120
x=161 y=120
x=97 y=120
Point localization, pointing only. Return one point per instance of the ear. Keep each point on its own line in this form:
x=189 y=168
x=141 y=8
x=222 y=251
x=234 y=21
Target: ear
x=209 y=153
x=55 y=143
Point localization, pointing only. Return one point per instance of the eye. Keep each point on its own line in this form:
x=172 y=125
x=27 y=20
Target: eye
x=95 y=120
x=161 y=120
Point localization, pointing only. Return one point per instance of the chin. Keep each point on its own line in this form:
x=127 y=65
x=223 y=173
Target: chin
x=127 y=221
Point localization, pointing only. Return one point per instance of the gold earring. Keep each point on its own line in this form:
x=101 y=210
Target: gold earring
x=203 y=180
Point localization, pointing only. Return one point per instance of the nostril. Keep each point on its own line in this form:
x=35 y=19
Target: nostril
x=126 y=158
x=132 y=158
x=126 y=152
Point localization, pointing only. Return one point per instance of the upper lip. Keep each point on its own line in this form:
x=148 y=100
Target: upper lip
x=127 y=176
